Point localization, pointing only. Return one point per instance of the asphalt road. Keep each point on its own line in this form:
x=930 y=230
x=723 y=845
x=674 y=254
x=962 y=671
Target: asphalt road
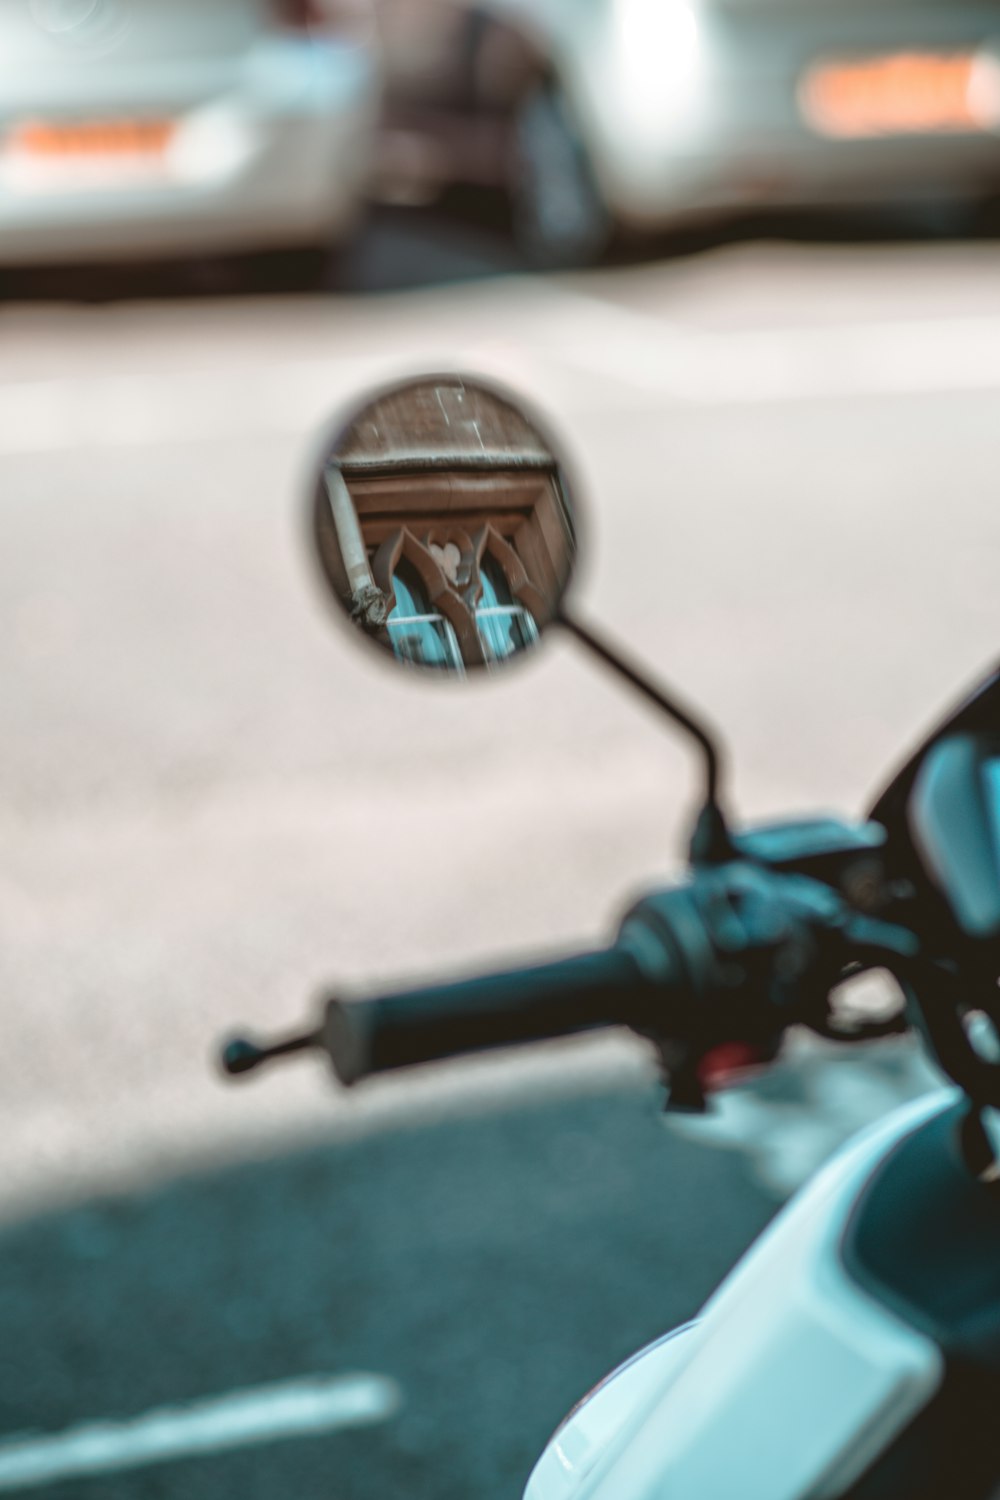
x=211 y=803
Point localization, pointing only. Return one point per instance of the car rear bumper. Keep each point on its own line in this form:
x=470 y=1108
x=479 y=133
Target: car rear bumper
x=733 y=124
x=271 y=149
x=797 y=174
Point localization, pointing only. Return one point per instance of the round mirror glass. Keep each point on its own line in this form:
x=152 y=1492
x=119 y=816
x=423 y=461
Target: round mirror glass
x=444 y=525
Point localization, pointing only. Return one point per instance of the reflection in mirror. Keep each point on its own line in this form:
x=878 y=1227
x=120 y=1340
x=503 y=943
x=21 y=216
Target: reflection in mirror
x=444 y=525
x=416 y=632
x=505 y=626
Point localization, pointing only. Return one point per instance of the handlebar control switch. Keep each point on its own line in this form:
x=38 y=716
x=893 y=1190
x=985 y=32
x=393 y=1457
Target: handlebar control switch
x=748 y=952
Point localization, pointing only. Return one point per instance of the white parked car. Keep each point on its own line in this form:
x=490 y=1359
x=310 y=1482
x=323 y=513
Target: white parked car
x=134 y=128
x=649 y=113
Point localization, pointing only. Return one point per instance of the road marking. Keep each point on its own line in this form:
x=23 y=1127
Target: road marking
x=136 y=411
x=568 y=332
x=240 y=1419
x=911 y=357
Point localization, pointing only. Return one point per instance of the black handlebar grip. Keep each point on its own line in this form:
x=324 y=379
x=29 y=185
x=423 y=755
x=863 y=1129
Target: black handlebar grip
x=495 y=1010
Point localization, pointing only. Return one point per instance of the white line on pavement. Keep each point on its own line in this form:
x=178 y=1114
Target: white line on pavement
x=825 y=362
x=240 y=1419
x=126 y=411
x=572 y=332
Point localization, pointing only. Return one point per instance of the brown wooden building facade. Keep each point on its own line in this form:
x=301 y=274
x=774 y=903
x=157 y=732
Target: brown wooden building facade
x=461 y=511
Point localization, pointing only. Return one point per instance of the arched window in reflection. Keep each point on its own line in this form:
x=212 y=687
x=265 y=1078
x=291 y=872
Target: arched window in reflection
x=417 y=632
x=504 y=625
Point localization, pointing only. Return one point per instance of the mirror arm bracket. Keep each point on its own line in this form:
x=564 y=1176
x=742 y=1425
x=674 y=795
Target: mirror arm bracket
x=710 y=842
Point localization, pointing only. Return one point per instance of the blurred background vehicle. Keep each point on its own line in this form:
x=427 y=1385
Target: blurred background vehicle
x=174 y=126
x=643 y=114
x=209 y=805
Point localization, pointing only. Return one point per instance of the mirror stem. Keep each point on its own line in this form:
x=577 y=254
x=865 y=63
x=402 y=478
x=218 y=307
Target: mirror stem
x=710 y=843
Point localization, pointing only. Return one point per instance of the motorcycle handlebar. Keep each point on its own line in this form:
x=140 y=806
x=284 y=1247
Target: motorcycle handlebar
x=581 y=993
x=736 y=955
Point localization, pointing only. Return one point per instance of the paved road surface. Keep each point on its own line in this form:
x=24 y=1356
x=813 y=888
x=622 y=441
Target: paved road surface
x=210 y=803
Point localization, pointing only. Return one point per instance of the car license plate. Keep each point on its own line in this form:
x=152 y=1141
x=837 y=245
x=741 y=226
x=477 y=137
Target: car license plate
x=91 y=153
x=905 y=93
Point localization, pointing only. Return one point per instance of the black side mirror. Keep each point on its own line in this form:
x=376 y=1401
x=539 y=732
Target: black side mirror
x=445 y=525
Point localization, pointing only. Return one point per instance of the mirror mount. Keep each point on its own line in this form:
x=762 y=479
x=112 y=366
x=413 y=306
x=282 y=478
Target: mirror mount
x=711 y=842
